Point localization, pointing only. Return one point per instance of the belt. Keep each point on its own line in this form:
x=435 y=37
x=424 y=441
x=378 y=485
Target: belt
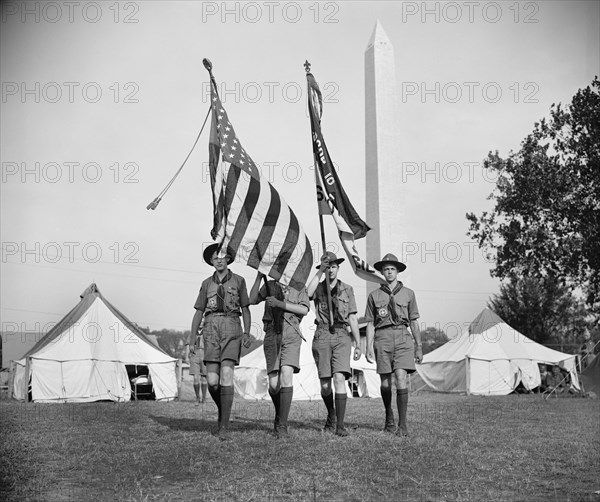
x=393 y=326
x=335 y=324
x=226 y=314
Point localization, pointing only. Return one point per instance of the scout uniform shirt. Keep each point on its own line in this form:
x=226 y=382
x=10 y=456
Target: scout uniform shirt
x=342 y=300
x=227 y=297
x=378 y=308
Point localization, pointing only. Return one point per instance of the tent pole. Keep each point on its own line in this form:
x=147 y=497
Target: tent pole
x=468 y=369
x=11 y=379
x=26 y=379
x=179 y=372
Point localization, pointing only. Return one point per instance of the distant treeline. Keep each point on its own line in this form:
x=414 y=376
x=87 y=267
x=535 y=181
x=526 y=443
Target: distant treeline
x=173 y=341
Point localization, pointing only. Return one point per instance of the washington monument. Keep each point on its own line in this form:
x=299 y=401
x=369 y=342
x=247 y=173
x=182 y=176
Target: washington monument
x=385 y=192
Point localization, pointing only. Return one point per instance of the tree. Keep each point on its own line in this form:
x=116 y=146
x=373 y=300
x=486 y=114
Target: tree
x=173 y=342
x=543 y=309
x=546 y=219
x=432 y=338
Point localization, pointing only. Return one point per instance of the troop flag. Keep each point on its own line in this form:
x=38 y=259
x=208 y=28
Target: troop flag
x=252 y=222
x=331 y=195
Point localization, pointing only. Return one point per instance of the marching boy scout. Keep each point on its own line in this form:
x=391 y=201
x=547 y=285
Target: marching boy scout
x=390 y=311
x=222 y=299
x=284 y=309
x=331 y=351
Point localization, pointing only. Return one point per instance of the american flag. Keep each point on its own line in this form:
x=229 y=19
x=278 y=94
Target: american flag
x=251 y=220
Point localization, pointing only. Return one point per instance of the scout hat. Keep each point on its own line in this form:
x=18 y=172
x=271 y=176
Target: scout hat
x=390 y=258
x=332 y=259
x=210 y=250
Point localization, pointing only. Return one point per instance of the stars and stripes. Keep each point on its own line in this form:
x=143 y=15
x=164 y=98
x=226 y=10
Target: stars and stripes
x=251 y=219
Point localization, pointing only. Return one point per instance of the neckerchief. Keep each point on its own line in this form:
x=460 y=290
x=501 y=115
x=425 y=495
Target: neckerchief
x=392 y=303
x=221 y=289
x=334 y=302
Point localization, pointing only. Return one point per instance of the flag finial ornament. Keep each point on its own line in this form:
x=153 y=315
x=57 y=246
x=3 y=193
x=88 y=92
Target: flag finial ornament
x=207 y=64
x=307 y=66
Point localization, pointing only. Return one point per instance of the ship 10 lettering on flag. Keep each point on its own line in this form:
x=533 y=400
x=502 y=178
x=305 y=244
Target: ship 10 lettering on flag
x=331 y=196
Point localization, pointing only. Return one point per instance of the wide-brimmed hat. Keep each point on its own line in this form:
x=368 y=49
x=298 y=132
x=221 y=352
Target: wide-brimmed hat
x=210 y=250
x=390 y=258
x=332 y=259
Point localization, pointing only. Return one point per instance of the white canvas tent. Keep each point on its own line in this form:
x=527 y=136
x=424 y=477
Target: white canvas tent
x=83 y=358
x=251 y=380
x=490 y=358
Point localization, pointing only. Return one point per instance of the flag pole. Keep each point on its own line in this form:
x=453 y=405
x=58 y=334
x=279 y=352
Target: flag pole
x=208 y=65
x=321 y=226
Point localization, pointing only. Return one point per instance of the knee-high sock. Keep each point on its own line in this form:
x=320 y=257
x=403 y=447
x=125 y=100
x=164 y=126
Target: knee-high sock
x=340 y=409
x=197 y=390
x=215 y=393
x=226 y=404
x=386 y=396
x=203 y=386
x=402 y=403
x=276 y=398
x=328 y=400
x=285 y=396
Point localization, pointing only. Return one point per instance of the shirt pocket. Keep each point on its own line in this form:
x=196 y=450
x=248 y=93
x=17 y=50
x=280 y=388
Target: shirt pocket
x=402 y=309
x=211 y=301
x=343 y=306
x=232 y=298
x=382 y=310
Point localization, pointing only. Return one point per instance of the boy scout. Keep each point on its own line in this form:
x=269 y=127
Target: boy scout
x=390 y=311
x=331 y=349
x=284 y=309
x=222 y=299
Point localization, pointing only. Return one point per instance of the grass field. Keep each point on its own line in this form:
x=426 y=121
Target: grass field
x=510 y=448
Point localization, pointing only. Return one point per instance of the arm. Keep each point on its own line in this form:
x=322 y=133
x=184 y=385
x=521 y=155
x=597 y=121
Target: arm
x=314 y=282
x=416 y=333
x=294 y=308
x=196 y=320
x=370 y=335
x=312 y=285
x=246 y=319
x=353 y=321
x=255 y=291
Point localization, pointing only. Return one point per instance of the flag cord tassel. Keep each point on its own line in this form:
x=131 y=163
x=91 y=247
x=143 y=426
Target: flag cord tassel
x=155 y=202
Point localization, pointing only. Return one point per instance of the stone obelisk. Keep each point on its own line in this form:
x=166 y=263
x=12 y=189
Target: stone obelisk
x=385 y=192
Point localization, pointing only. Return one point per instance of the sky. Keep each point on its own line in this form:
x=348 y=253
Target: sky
x=102 y=102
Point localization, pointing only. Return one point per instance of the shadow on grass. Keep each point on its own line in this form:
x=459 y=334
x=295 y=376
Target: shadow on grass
x=184 y=424
x=237 y=424
x=210 y=425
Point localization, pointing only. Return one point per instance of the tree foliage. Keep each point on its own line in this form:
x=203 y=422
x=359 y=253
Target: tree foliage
x=173 y=342
x=546 y=219
x=432 y=338
x=543 y=309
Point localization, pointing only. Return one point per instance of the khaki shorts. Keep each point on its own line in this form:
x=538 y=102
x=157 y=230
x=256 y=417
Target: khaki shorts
x=394 y=349
x=197 y=366
x=331 y=352
x=282 y=349
x=222 y=338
